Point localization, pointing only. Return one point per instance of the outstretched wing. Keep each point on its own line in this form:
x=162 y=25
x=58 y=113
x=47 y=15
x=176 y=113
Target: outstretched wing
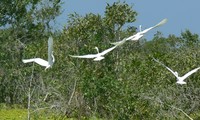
x=160 y=23
x=119 y=42
x=166 y=67
x=157 y=25
x=28 y=60
x=50 y=50
x=116 y=43
x=36 y=60
x=84 y=56
x=191 y=72
x=112 y=48
x=132 y=37
x=108 y=50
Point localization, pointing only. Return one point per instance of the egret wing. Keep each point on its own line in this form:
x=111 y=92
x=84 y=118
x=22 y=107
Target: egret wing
x=135 y=37
x=108 y=50
x=131 y=37
x=171 y=71
x=36 y=60
x=119 y=42
x=50 y=49
x=157 y=25
x=161 y=23
x=28 y=60
x=84 y=56
x=116 y=43
x=191 y=72
x=146 y=30
x=166 y=67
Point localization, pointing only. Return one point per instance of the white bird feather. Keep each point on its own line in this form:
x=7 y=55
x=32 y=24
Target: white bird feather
x=43 y=62
x=140 y=34
x=98 y=56
x=180 y=80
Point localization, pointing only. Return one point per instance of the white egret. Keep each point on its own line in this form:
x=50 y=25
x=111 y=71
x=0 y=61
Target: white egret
x=98 y=56
x=140 y=34
x=42 y=62
x=180 y=80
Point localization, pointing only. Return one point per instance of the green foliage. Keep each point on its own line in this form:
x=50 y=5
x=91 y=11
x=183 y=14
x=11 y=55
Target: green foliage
x=189 y=38
x=28 y=12
x=127 y=84
x=119 y=14
x=116 y=16
x=23 y=35
x=28 y=20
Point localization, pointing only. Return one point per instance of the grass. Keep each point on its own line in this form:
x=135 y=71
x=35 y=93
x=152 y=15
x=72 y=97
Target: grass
x=21 y=114
x=18 y=112
x=13 y=114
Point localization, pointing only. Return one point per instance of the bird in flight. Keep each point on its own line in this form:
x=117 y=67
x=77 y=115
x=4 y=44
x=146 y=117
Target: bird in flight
x=99 y=56
x=180 y=80
x=42 y=62
x=140 y=34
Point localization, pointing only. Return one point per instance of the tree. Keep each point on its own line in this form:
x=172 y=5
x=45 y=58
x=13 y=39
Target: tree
x=127 y=84
x=23 y=23
x=116 y=16
x=98 y=81
x=189 y=38
x=26 y=18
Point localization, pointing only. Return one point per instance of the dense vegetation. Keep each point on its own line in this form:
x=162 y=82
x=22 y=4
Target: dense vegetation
x=127 y=84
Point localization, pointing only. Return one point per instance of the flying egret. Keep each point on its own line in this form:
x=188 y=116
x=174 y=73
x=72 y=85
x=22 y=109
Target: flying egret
x=42 y=62
x=180 y=80
x=98 y=56
x=140 y=34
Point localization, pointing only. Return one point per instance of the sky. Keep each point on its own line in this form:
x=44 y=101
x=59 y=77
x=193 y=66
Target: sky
x=181 y=14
